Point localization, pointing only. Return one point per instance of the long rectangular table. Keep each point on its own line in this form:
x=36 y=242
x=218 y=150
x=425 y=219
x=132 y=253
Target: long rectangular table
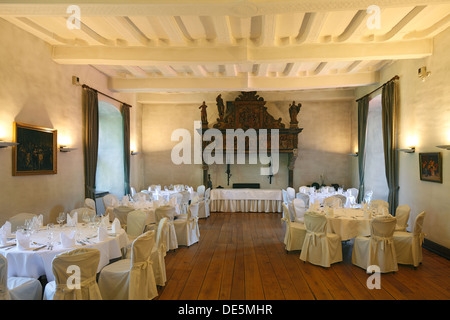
x=246 y=200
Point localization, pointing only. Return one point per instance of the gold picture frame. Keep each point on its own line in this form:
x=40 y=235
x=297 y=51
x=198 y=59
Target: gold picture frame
x=36 y=152
x=430 y=166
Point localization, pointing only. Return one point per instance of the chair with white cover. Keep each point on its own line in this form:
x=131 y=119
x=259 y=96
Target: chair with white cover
x=303 y=189
x=320 y=248
x=110 y=201
x=305 y=197
x=17 y=288
x=86 y=261
x=159 y=252
x=332 y=202
x=19 y=220
x=203 y=205
x=138 y=221
x=408 y=245
x=377 y=249
x=187 y=229
x=168 y=212
x=299 y=209
x=89 y=203
x=81 y=212
x=186 y=196
x=368 y=196
x=285 y=196
x=133 y=278
x=402 y=214
x=121 y=213
x=141 y=196
x=377 y=203
x=201 y=191
x=353 y=192
x=295 y=232
x=290 y=194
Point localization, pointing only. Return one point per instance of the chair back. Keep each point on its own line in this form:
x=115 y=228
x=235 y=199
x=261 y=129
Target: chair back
x=290 y=194
x=81 y=211
x=121 y=213
x=299 y=207
x=165 y=211
x=89 y=203
x=333 y=202
x=19 y=220
x=141 y=272
x=137 y=220
x=285 y=196
x=110 y=200
x=285 y=217
x=193 y=211
x=354 y=192
x=201 y=190
x=315 y=222
x=303 y=189
x=4 y=293
x=304 y=197
x=162 y=234
x=375 y=204
x=402 y=214
x=383 y=227
x=418 y=224
x=207 y=193
x=368 y=196
x=87 y=260
x=141 y=196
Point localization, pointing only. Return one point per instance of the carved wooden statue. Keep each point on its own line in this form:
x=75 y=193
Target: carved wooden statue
x=293 y=112
x=204 y=116
x=220 y=106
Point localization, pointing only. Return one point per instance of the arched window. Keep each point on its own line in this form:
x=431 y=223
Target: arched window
x=110 y=166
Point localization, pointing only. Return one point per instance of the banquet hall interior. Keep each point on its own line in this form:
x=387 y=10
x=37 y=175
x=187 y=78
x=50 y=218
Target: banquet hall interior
x=134 y=101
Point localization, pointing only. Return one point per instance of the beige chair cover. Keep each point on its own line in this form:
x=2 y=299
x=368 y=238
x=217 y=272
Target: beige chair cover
x=63 y=288
x=131 y=279
x=159 y=252
x=19 y=220
x=402 y=215
x=137 y=221
x=187 y=229
x=110 y=201
x=17 y=288
x=320 y=248
x=168 y=212
x=332 y=202
x=300 y=208
x=378 y=249
x=89 y=203
x=408 y=245
x=201 y=191
x=375 y=204
x=295 y=232
x=121 y=214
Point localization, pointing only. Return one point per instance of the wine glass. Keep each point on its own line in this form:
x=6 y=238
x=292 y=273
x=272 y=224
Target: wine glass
x=86 y=217
x=50 y=235
x=61 y=218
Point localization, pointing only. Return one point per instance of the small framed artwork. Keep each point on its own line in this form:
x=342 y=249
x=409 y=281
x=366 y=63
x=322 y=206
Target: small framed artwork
x=430 y=165
x=36 y=150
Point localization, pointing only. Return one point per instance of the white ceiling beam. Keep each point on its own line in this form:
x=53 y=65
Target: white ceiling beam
x=198 y=71
x=167 y=71
x=262 y=69
x=356 y=21
x=136 y=71
x=223 y=31
x=173 y=31
x=141 y=56
x=242 y=82
x=230 y=70
x=434 y=29
x=127 y=28
x=268 y=34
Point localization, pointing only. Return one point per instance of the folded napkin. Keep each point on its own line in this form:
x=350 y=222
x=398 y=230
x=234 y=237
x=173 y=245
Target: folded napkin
x=104 y=222
x=6 y=228
x=23 y=241
x=115 y=228
x=67 y=240
x=72 y=220
x=102 y=233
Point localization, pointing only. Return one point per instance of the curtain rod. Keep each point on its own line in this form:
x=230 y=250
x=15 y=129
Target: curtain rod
x=104 y=94
x=394 y=78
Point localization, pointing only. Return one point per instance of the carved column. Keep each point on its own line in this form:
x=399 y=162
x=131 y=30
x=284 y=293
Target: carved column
x=291 y=167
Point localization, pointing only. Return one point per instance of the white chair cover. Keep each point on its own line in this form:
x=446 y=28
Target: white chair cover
x=121 y=213
x=303 y=189
x=89 y=203
x=159 y=252
x=204 y=205
x=295 y=232
x=110 y=201
x=178 y=200
x=285 y=196
x=378 y=249
x=168 y=212
x=201 y=191
x=368 y=196
x=187 y=229
x=408 y=245
x=305 y=197
x=290 y=194
x=131 y=279
x=133 y=192
x=141 y=196
x=320 y=248
x=353 y=192
x=402 y=215
x=19 y=220
x=137 y=221
x=63 y=288
x=299 y=209
x=17 y=288
x=332 y=202
x=375 y=204
x=81 y=211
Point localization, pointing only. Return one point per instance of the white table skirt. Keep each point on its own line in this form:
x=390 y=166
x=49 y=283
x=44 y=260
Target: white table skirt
x=349 y=223
x=33 y=264
x=246 y=200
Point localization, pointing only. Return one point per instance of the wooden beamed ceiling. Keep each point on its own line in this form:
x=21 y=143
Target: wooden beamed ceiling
x=170 y=46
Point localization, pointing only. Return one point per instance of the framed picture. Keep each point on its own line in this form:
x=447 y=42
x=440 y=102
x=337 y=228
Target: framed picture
x=36 y=150
x=430 y=165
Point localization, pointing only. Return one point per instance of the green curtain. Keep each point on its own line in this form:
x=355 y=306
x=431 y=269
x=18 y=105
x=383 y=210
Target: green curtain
x=363 y=111
x=389 y=102
x=90 y=140
x=126 y=145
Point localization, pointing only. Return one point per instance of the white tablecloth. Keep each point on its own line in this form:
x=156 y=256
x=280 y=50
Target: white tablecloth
x=349 y=223
x=29 y=263
x=320 y=196
x=246 y=200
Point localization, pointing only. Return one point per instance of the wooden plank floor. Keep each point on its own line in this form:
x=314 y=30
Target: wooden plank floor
x=241 y=256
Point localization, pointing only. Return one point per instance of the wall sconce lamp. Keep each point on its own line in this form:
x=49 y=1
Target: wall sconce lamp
x=408 y=150
x=4 y=144
x=353 y=154
x=447 y=147
x=66 y=149
x=133 y=153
